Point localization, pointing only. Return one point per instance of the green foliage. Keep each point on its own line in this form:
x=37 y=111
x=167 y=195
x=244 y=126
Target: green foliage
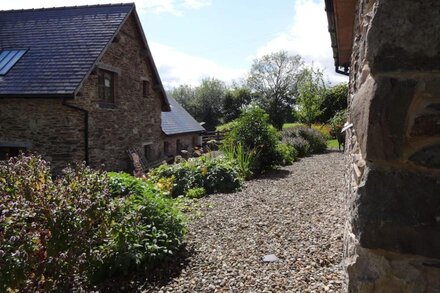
x=332 y=144
x=337 y=123
x=50 y=229
x=65 y=234
x=301 y=145
x=146 y=228
x=290 y=125
x=335 y=100
x=233 y=103
x=287 y=154
x=227 y=126
x=203 y=102
x=273 y=78
x=243 y=158
x=324 y=129
x=254 y=132
x=295 y=136
x=197 y=192
x=311 y=90
x=213 y=174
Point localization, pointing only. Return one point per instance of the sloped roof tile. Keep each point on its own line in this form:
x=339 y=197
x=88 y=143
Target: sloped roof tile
x=178 y=120
x=62 y=43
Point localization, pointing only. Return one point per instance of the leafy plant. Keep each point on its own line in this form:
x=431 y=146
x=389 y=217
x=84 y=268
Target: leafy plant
x=287 y=154
x=65 y=234
x=146 y=228
x=213 y=174
x=197 y=192
x=301 y=145
x=337 y=123
x=254 y=132
x=317 y=143
x=50 y=229
x=311 y=90
x=243 y=158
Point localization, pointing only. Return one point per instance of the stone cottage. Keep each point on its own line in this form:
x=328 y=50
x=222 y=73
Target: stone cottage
x=391 y=51
x=79 y=84
x=180 y=130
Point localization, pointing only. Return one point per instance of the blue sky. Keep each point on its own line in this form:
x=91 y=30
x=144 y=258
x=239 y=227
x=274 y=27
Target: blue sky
x=194 y=39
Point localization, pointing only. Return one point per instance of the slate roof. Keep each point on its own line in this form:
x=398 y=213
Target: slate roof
x=63 y=45
x=178 y=120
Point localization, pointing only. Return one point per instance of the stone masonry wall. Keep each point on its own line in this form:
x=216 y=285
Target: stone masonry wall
x=186 y=140
x=44 y=126
x=134 y=120
x=392 y=236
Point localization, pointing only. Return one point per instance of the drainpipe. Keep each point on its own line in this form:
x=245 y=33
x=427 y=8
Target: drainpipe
x=86 y=128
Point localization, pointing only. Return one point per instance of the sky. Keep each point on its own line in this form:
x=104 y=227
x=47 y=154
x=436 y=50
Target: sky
x=195 y=39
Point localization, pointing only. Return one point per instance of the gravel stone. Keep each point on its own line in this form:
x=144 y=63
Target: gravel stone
x=295 y=213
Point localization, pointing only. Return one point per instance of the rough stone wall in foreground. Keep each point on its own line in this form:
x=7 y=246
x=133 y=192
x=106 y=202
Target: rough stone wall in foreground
x=393 y=232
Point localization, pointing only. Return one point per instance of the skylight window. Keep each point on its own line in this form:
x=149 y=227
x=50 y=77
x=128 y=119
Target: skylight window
x=8 y=58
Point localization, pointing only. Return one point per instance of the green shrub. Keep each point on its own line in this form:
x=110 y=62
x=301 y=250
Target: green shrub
x=50 y=229
x=244 y=158
x=337 y=123
x=316 y=141
x=287 y=154
x=254 y=132
x=197 y=192
x=146 y=228
x=324 y=129
x=301 y=145
x=65 y=234
x=213 y=174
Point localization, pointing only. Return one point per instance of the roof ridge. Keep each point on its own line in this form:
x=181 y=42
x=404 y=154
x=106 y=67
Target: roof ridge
x=70 y=7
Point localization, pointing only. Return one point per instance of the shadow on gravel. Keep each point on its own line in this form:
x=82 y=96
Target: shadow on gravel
x=333 y=151
x=160 y=276
x=274 y=174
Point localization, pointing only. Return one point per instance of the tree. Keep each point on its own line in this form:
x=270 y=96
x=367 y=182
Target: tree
x=335 y=100
x=185 y=95
x=273 y=78
x=203 y=102
x=311 y=89
x=233 y=103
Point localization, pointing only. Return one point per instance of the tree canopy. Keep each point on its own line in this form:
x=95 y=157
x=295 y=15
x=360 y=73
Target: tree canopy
x=335 y=100
x=311 y=90
x=203 y=102
x=273 y=79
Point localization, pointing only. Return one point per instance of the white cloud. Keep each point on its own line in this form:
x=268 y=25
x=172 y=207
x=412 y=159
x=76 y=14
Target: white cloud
x=175 y=7
x=307 y=36
x=178 y=68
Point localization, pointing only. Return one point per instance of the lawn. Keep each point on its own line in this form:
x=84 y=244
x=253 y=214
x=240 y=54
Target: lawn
x=332 y=144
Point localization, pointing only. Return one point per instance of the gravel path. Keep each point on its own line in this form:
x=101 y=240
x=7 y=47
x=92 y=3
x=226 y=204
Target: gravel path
x=295 y=213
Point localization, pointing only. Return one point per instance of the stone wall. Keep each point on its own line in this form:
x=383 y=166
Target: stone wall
x=44 y=126
x=392 y=236
x=187 y=141
x=57 y=132
x=133 y=120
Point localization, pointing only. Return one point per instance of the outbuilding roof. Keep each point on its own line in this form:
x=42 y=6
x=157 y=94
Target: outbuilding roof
x=178 y=120
x=61 y=45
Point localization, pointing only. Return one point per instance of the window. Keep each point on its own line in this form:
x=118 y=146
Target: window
x=145 y=88
x=8 y=58
x=106 y=86
x=178 y=146
x=148 y=152
x=166 y=147
x=8 y=152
